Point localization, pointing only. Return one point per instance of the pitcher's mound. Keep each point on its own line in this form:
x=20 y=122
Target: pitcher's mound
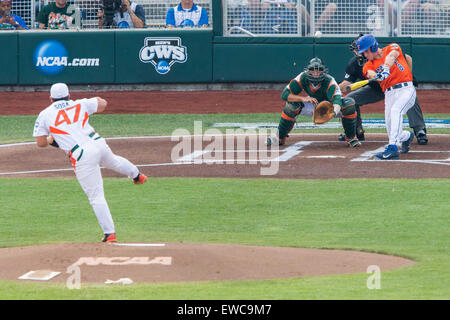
x=172 y=262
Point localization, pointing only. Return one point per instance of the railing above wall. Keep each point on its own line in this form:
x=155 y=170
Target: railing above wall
x=86 y=11
x=281 y=18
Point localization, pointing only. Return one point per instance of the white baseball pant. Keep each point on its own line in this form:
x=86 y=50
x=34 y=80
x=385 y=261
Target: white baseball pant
x=96 y=153
x=396 y=103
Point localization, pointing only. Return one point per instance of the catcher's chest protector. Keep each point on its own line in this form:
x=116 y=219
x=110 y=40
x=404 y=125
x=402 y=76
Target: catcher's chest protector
x=319 y=92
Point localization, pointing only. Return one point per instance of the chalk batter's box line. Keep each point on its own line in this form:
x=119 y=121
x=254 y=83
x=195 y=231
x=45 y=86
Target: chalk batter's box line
x=365 y=157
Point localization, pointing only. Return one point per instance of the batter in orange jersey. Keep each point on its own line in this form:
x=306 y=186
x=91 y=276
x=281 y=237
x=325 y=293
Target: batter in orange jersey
x=389 y=67
x=399 y=72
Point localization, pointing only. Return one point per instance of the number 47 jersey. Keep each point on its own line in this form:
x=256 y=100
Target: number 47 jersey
x=67 y=122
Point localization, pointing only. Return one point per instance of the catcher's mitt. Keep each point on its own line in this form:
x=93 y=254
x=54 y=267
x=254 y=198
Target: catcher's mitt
x=323 y=112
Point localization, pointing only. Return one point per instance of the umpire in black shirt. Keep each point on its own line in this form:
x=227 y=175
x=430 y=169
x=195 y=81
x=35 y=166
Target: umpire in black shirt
x=372 y=93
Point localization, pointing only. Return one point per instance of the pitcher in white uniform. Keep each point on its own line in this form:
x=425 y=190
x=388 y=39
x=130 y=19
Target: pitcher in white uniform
x=65 y=124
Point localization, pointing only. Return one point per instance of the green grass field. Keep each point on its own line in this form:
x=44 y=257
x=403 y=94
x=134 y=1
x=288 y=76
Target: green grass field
x=403 y=217
x=20 y=128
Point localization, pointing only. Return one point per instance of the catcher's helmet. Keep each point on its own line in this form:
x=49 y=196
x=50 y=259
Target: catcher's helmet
x=367 y=42
x=315 y=64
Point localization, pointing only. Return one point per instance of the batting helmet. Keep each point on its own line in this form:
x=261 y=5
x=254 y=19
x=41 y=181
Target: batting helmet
x=360 y=59
x=367 y=42
x=352 y=46
x=315 y=64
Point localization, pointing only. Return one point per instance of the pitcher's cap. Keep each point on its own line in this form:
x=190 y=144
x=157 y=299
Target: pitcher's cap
x=59 y=90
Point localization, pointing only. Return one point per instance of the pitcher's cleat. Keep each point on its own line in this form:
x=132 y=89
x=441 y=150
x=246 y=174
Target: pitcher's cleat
x=140 y=179
x=109 y=237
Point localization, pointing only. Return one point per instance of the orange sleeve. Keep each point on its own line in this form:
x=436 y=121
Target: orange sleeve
x=367 y=66
x=393 y=47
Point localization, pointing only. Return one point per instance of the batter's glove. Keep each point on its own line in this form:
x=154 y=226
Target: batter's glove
x=323 y=112
x=383 y=74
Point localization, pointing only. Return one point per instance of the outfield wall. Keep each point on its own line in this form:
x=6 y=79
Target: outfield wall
x=187 y=56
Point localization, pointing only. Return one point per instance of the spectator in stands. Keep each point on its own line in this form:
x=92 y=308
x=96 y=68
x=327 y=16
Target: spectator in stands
x=322 y=17
x=281 y=16
x=279 y=3
x=38 y=5
x=10 y=21
x=186 y=14
x=347 y=16
x=417 y=16
x=268 y=17
x=129 y=15
x=234 y=9
x=57 y=15
x=252 y=17
x=445 y=16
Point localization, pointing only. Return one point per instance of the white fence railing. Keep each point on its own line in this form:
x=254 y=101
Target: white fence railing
x=155 y=11
x=336 y=17
x=430 y=18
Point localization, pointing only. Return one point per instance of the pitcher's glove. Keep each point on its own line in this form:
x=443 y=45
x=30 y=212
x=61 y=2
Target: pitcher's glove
x=323 y=112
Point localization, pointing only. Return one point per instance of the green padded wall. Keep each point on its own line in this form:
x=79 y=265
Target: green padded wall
x=71 y=57
x=188 y=56
x=259 y=59
x=8 y=58
x=165 y=56
x=431 y=59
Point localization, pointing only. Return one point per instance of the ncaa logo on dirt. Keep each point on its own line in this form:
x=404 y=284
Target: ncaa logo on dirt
x=51 y=57
x=163 y=53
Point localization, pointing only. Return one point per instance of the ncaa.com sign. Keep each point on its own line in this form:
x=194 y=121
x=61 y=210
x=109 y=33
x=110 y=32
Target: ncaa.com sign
x=51 y=57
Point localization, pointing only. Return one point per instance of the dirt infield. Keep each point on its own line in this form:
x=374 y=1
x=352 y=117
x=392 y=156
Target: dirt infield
x=256 y=101
x=175 y=262
x=304 y=156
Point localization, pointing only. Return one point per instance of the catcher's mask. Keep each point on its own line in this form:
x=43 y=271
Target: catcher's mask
x=359 y=58
x=316 y=71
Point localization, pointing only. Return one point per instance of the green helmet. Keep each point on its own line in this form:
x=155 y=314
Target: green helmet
x=316 y=64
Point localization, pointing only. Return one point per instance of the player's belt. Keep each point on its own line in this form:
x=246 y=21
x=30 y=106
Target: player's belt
x=92 y=134
x=73 y=150
x=75 y=147
x=398 y=86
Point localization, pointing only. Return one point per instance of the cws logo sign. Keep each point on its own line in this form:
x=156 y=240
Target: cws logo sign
x=51 y=58
x=163 y=53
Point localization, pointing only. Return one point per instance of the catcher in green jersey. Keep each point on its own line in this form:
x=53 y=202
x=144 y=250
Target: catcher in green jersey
x=319 y=86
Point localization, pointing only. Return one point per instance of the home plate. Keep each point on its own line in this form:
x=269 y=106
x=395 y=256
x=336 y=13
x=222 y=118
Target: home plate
x=325 y=157
x=42 y=275
x=139 y=244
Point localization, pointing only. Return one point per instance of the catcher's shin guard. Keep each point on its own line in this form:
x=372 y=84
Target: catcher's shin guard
x=359 y=127
x=287 y=121
x=349 y=117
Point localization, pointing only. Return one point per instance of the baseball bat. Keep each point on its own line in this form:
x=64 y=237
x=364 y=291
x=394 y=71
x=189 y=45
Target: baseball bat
x=358 y=84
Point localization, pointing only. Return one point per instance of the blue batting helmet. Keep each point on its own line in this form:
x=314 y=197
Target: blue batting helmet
x=367 y=42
